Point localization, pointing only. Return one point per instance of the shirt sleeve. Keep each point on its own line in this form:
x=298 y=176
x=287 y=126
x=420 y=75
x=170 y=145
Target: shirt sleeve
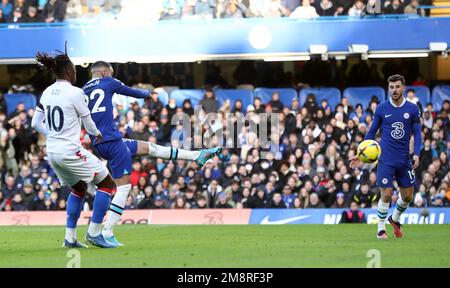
x=122 y=89
x=376 y=122
x=81 y=105
x=38 y=120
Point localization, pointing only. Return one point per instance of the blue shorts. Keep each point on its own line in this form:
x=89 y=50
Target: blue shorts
x=401 y=172
x=119 y=154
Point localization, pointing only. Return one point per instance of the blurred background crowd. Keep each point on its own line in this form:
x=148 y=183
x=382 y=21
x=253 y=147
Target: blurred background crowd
x=305 y=166
x=35 y=11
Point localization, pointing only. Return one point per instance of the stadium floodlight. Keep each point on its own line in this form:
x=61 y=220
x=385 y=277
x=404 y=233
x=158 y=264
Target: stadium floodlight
x=287 y=58
x=398 y=55
x=318 y=49
x=358 y=48
x=438 y=46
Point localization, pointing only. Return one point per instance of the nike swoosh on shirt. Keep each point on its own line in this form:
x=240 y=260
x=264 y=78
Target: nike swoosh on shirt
x=386 y=116
x=284 y=221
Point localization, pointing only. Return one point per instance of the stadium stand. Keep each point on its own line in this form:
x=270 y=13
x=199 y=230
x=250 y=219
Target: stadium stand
x=332 y=95
x=286 y=94
x=363 y=95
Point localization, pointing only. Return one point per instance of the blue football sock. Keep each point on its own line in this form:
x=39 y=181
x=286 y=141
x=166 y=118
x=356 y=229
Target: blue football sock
x=101 y=205
x=74 y=206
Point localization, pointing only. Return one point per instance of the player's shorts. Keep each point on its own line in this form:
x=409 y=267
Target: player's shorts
x=401 y=172
x=81 y=165
x=119 y=154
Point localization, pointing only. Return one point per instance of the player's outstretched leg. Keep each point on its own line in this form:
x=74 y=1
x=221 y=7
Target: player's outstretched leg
x=403 y=201
x=74 y=207
x=101 y=204
x=170 y=153
x=382 y=212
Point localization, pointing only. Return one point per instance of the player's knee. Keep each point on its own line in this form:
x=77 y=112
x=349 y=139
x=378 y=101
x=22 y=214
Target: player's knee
x=79 y=189
x=107 y=185
x=407 y=198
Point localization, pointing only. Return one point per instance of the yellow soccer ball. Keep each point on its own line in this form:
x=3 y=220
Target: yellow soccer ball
x=369 y=151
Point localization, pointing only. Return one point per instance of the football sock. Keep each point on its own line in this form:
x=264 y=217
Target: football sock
x=116 y=209
x=399 y=209
x=171 y=153
x=101 y=204
x=74 y=206
x=382 y=210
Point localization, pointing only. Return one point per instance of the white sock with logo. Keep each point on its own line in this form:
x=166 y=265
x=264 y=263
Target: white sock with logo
x=116 y=209
x=71 y=234
x=382 y=210
x=399 y=208
x=171 y=153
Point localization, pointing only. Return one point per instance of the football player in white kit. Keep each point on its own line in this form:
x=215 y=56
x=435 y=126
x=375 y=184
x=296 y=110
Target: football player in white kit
x=60 y=112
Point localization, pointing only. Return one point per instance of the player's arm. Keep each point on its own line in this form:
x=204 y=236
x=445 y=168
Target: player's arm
x=82 y=109
x=417 y=132
x=38 y=120
x=376 y=122
x=123 y=89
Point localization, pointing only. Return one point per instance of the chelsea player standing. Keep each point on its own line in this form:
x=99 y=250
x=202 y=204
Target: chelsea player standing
x=398 y=119
x=119 y=152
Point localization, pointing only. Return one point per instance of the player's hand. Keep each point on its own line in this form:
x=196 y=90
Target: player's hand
x=416 y=161
x=355 y=162
x=99 y=137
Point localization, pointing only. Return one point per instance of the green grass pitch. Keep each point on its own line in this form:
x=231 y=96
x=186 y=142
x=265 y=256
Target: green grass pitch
x=232 y=246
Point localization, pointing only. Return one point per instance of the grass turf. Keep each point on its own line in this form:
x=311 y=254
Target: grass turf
x=232 y=246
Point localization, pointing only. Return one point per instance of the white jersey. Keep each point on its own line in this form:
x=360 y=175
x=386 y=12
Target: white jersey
x=64 y=105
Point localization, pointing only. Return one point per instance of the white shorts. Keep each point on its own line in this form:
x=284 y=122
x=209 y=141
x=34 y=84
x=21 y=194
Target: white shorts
x=82 y=165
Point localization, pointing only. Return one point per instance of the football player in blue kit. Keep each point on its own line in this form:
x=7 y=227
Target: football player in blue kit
x=118 y=151
x=398 y=119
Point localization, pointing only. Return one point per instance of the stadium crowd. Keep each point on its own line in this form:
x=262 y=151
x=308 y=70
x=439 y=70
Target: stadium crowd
x=305 y=166
x=48 y=11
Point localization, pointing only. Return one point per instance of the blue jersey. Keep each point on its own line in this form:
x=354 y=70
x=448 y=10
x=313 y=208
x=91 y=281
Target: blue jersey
x=100 y=92
x=396 y=124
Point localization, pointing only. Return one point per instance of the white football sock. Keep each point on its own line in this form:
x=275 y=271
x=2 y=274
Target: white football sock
x=94 y=229
x=116 y=209
x=399 y=209
x=382 y=210
x=170 y=153
x=71 y=234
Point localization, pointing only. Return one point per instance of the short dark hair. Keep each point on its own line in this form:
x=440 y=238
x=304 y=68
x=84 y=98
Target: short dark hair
x=410 y=90
x=395 y=78
x=101 y=64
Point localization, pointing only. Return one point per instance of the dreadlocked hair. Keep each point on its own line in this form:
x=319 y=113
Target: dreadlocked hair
x=58 y=64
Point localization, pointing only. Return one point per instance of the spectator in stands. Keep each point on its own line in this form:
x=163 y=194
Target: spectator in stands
x=358 y=9
x=204 y=9
x=314 y=201
x=275 y=9
x=326 y=8
x=32 y=15
x=354 y=215
x=412 y=8
x=373 y=7
x=276 y=201
x=234 y=9
x=74 y=9
x=306 y=11
x=17 y=16
x=209 y=102
x=396 y=7
x=54 y=11
x=411 y=97
x=291 y=5
x=2 y=20
x=7 y=8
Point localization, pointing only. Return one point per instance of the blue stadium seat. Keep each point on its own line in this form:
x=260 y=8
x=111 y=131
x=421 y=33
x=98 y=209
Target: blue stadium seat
x=194 y=94
x=246 y=96
x=13 y=99
x=286 y=95
x=439 y=94
x=422 y=92
x=332 y=95
x=363 y=95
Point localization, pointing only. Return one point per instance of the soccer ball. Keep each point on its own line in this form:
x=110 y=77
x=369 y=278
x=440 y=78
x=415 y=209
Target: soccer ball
x=369 y=151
